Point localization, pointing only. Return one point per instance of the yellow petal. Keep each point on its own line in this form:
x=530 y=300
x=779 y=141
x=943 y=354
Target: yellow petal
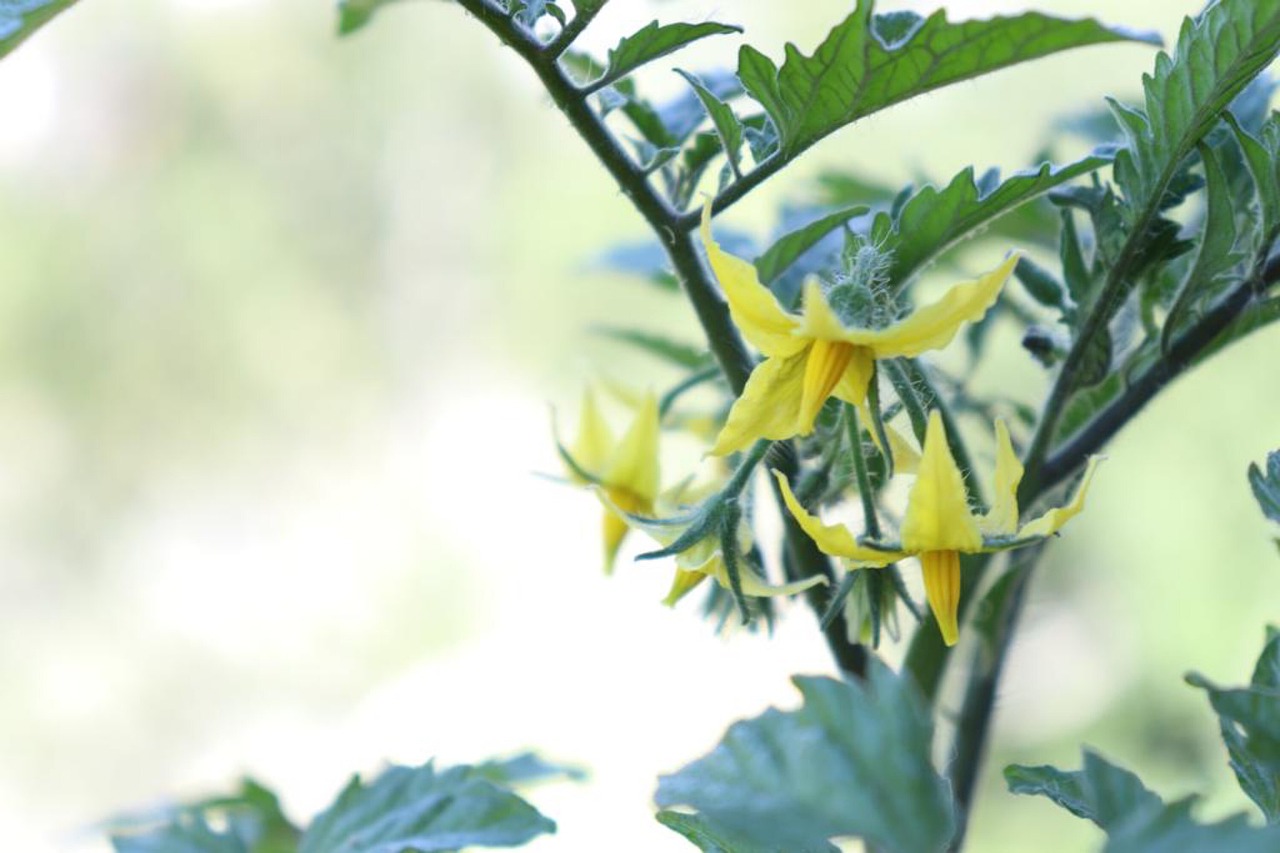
x=754 y=308
x=681 y=584
x=938 y=516
x=752 y=583
x=942 y=588
x=1052 y=521
x=933 y=326
x=833 y=539
x=768 y=408
x=634 y=466
x=823 y=370
x=594 y=444
x=852 y=387
x=817 y=319
x=1002 y=518
x=615 y=530
x=906 y=459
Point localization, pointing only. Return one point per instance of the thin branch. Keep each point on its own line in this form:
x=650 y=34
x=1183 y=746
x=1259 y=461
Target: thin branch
x=566 y=37
x=803 y=559
x=1180 y=356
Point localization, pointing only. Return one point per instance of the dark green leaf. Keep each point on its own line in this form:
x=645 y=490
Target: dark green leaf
x=417 y=810
x=186 y=834
x=1266 y=487
x=869 y=62
x=675 y=352
x=788 y=248
x=1262 y=155
x=1100 y=792
x=1217 y=54
x=652 y=42
x=933 y=220
x=20 y=18
x=714 y=839
x=1174 y=830
x=726 y=123
x=1249 y=718
x=853 y=761
x=1218 y=266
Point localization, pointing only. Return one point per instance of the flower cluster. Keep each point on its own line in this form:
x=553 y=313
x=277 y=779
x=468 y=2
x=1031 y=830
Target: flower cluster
x=828 y=347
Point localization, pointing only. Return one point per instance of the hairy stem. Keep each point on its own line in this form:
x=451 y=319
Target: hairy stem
x=803 y=559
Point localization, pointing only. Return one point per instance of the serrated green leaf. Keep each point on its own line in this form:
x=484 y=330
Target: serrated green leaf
x=725 y=121
x=187 y=834
x=651 y=42
x=1173 y=830
x=1100 y=791
x=1249 y=718
x=1266 y=487
x=715 y=839
x=869 y=62
x=854 y=760
x=788 y=248
x=417 y=810
x=20 y=18
x=1218 y=53
x=1262 y=155
x=1219 y=262
x=676 y=352
x=932 y=220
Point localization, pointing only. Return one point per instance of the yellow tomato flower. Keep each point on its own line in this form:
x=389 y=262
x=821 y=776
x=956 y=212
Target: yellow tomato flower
x=626 y=471
x=705 y=558
x=814 y=355
x=939 y=526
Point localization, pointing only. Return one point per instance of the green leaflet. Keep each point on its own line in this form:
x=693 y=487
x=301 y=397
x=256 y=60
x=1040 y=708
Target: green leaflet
x=854 y=760
x=1138 y=821
x=726 y=123
x=249 y=821
x=715 y=839
x=1262 y=155
x=931 y=220
x=20 y=18
x=869 y=62
x=1266 y=486
x=1100 y=792
x=1219 y=261
x=1218 y=53
x=354 y=14
x=402 y=810
x=651 y=42
x=417 y=810
x=186 y=834
x=1249 y=718
x=787 y=249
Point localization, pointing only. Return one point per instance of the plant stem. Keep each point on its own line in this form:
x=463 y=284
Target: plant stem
x=975 y=716
x=803 y=559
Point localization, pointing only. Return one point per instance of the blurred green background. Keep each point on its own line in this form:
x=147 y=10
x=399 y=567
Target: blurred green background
x=280 y=321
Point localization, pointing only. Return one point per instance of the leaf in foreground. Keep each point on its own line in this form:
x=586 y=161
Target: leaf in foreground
x=1249 y=720
x=20 y=18
x=420 y=810
x=854 y=760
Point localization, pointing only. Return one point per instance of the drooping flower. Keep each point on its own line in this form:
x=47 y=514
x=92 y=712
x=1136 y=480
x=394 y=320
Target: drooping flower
x=939 y=526
x=705 y=558
x=626 y=471
x=823 y=351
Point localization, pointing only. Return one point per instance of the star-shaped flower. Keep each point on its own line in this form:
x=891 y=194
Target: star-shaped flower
x=939 y=526
x=823 y=350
